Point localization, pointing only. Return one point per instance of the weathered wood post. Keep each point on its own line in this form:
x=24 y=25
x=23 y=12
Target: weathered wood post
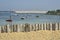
x=14 y=28
x=59 y=26
x=56 y=26
x=11 y=28
x=51 y=26
x=37 y=27
x=8 y=28
x=30 y=27
x=48 y=26
x=0 y=29
x=18 y=28
x=23 y=29
x=33 y=27
x=5 y=28
x=42 y=26
x=27 y=27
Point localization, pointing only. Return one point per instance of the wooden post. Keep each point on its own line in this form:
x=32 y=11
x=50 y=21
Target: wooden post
x=34 y=27
x=37 y=26
x=11 y=28
x=0 y=29
x=5 y=27
x=3 y=30
x=18 y=28
x=8 y=28
x=45 y=26
x=20 y=25
x=14 y=28
x=30 y=27
x=59 y=26
x=23 y=29
x=51 y=26
x=42 y=26
x=56 y=25
x=27 y=28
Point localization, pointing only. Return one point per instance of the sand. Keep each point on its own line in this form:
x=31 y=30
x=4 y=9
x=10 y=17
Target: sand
x=34 y=35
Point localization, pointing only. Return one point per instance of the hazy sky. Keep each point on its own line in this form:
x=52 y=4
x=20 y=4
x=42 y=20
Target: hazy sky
x=29 y=4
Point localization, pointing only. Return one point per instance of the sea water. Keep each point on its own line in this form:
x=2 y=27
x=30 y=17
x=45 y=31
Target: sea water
x=30 y=18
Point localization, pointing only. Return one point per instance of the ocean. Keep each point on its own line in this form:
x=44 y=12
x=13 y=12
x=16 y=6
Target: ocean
x=31 y=18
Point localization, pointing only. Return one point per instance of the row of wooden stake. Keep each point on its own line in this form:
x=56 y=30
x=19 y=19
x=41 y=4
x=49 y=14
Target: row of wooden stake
x=29 y=27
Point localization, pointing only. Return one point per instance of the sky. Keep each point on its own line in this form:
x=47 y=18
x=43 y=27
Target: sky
x=6 y=5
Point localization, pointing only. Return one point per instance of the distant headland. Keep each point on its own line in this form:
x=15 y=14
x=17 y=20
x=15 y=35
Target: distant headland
x=54 y=12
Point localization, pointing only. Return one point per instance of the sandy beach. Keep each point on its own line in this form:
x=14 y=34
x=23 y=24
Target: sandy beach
x=33 y=35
